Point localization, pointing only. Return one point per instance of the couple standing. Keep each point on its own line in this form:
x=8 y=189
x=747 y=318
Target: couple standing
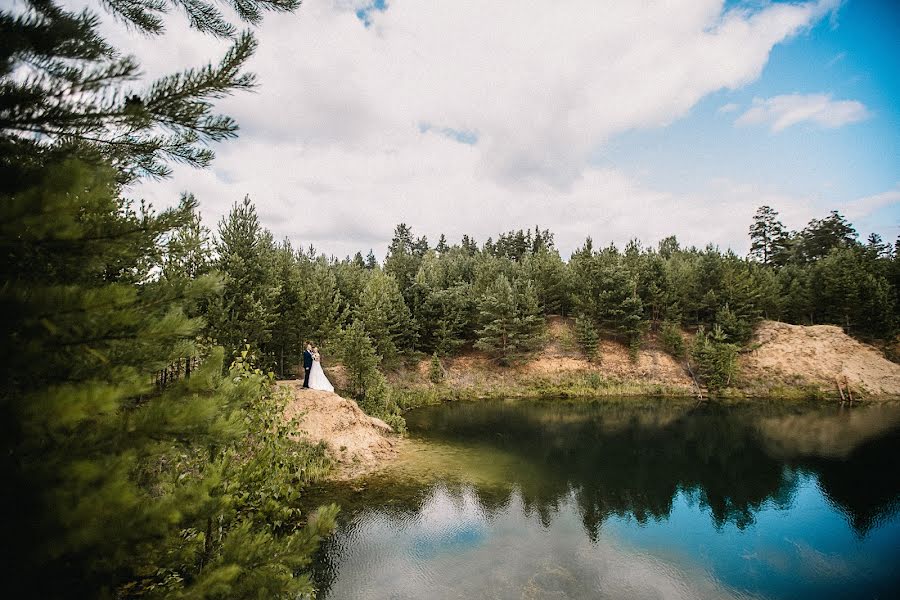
x=313 y=375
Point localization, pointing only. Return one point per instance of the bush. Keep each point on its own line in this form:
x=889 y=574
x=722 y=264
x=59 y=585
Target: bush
x=715 y=358
x=733 y=327
x=670 y=337
x=587 y=336
x=366 y=383
x=436 y=370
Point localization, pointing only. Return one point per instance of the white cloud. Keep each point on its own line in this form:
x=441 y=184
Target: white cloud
x=728 y=108
x=341 y=200
x=780 y=112
x=356 y=128
x=862 y=207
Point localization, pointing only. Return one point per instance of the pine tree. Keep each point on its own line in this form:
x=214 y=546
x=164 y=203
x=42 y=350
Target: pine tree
x=876 y=248
x=604 y=292
x=246 y=257
x=360 y=359
x=767 y=235
x=587 y=336
x=435 y=369
x=366 y=383
x=403 y=258
x=67 y=89
x=821 y=236
x=511 y=320
x=188 y=250
x=442 y=246
x=654 y=288
x=128 y=483
x=715 y=358
x=118 y=475
x=387 y=320
x=371 y=261
x=547 y=271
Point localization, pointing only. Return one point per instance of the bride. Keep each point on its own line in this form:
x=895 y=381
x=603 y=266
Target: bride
x=317 y=379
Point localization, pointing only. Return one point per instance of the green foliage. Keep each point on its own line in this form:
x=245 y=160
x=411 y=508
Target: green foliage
x=822 y=236
x=387 y=320
x=605 y=293
x=67 y=89
x=245 y=312
x=733 y=327
x=548 y=272
x=269 y=469
x=848 y=289
x=404 y=257
x=308 y=306
x=511 y=321
x=126 y=488
x=670 y=337
x=366 y=384
x=587 y=336
x=768 y=238
x=435 y=369
x=360 y=359
x=714 y=357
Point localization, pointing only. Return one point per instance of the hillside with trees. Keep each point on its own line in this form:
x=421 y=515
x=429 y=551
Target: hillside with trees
x=495 y=297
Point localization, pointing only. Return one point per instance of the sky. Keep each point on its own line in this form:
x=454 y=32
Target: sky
x=609 y=119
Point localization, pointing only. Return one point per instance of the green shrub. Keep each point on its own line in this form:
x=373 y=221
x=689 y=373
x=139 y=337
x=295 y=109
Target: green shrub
x=672 y=342
x=587 y=336
x=436 y=370
x=714 y=357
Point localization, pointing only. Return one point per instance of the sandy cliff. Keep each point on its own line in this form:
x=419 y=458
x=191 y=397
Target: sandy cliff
x=785 y=354
x=357 y=442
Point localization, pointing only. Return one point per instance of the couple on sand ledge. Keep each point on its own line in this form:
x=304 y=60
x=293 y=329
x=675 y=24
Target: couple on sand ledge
x=313 y=375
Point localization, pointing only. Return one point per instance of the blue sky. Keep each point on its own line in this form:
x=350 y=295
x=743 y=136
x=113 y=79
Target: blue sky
x=597 y=118
x=854 y=55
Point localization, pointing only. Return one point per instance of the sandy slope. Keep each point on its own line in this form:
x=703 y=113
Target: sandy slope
x=559 y=355
x=816 y=355
x=359 y=443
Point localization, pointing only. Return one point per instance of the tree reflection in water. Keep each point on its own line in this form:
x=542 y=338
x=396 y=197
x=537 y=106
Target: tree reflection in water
x=632 y=460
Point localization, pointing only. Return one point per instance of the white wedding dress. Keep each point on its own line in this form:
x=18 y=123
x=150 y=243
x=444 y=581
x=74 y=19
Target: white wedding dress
x=317 y=379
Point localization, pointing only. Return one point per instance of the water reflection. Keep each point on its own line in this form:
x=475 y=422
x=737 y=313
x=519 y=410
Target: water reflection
x=580 y=500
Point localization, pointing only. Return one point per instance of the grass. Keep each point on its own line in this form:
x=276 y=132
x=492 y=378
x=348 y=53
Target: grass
x=562 y=386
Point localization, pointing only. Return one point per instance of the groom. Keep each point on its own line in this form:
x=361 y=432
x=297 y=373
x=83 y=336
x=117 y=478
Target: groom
x=307 y=364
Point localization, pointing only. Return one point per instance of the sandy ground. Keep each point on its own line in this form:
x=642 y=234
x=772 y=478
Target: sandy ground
x=782 y=355
x=560 y=355
x=816 y=355
x=357 y=442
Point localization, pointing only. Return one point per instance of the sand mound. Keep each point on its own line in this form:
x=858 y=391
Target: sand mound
x=559 y=355
x=652 y=365
x=358 y=443
x=817 y=355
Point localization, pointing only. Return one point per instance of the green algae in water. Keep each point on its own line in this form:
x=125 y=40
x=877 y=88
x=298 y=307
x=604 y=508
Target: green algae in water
x=526 y=499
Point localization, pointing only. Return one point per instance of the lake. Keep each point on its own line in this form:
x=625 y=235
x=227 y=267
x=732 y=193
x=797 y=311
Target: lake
x=625 y=499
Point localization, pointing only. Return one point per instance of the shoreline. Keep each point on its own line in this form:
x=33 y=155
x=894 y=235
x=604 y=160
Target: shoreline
x=574 y=388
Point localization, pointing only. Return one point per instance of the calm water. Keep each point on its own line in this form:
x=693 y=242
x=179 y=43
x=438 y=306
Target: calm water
x=631 y=499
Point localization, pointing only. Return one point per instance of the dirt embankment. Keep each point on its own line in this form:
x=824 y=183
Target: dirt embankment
x=817 y=355
x=782 y=359
x=559 y=355
x=357 y=442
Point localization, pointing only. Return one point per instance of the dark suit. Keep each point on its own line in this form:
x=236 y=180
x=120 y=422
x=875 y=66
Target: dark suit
x=307 y=365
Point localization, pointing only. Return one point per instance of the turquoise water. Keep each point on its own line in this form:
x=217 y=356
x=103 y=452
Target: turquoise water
x=636 y=499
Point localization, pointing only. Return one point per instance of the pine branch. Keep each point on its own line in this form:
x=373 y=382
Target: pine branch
x=206 y=18
x=143 y=15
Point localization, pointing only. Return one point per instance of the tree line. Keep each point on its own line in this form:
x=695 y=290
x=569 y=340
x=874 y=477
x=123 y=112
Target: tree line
x=494 y=296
